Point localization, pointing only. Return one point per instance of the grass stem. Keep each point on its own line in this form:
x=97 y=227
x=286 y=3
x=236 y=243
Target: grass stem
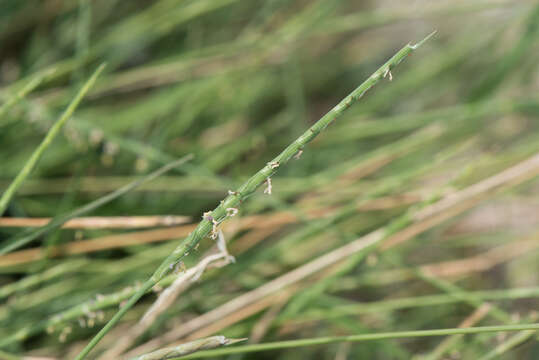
x=362 y=337
x=218 y=215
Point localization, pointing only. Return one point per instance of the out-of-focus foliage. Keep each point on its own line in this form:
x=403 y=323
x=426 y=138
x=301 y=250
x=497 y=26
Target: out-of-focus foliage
x=234 y=82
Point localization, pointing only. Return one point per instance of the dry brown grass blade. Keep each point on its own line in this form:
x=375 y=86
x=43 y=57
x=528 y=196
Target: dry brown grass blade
x=484 y=261
x=100 y=222
x=97 y=244
x=455 y=269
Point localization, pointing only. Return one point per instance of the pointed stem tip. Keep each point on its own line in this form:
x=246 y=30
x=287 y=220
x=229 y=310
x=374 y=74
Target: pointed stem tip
x=424 y=40
x=234 y=341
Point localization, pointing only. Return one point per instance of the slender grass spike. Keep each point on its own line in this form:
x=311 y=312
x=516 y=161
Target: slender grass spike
x=233 y=200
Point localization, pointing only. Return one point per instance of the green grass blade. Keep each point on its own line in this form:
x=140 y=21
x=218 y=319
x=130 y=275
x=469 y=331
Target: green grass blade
x=54 y=130
x=361 y=337
x=56 y=222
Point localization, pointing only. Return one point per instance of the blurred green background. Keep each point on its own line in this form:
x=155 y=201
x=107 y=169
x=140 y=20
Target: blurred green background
x=233 y=83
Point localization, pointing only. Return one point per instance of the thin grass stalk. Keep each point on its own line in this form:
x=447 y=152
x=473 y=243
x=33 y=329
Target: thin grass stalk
x=51 y=135
x=361 y=337
x=249 y=187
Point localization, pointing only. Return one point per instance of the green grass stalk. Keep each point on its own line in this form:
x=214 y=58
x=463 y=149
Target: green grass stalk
x=362 y=337
x=249 y=187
